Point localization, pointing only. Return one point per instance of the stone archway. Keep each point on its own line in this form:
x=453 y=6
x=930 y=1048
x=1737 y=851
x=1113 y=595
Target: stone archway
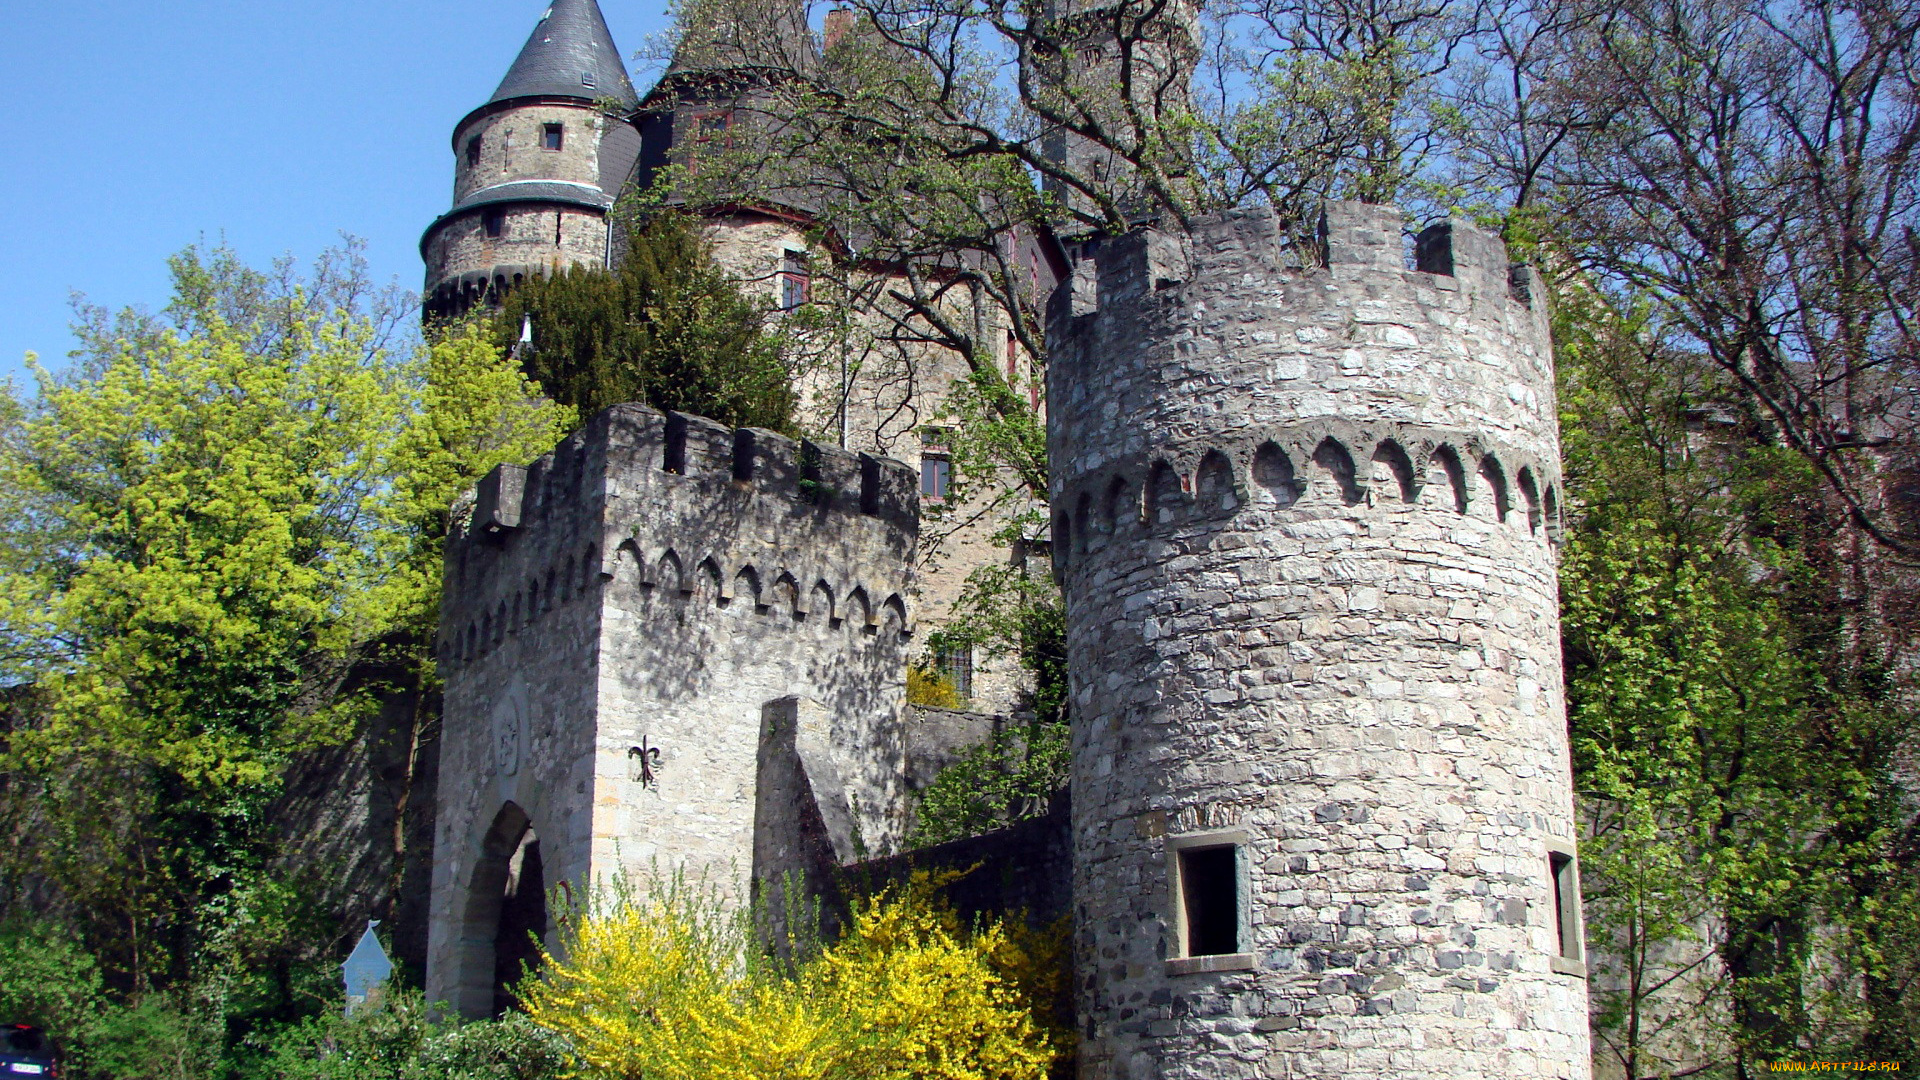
x=506 y=904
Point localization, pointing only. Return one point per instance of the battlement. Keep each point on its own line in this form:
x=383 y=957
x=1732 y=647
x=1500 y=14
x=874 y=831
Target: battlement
x=679 y=505
x=635 y=448
x=1352 y=242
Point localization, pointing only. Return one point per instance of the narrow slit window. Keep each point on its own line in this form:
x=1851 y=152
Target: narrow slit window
x=554 y=136
x=1210 y=900
x=1564 y=872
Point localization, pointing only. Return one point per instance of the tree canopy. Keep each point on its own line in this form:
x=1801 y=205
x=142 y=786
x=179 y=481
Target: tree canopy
x=666 y=328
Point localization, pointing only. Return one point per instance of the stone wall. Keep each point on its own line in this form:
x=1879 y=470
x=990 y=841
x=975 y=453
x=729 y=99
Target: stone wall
x=1305 y=509
x=1025 y=870
x=511 y=147
x=535 y=239
x=667 y=645
x=877 y=392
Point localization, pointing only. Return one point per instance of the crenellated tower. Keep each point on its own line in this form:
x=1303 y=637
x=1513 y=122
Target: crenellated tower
x=1305 y=518
x=537 y=168
x=668 y=644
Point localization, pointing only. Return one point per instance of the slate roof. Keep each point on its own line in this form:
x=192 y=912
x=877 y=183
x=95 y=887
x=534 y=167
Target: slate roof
x=559 y=191
x=570 y=54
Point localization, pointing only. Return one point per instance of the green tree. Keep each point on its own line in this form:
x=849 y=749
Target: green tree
x=222 y=518
x=1746 y=896
x=667 y=328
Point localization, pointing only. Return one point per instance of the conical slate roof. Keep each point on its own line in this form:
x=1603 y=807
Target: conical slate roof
x=571 y=54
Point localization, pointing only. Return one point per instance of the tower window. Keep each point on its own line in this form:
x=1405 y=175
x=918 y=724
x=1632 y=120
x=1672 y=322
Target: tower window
x=553 y=136
x=1210 y=899
x=1564 y=874
x=495 y=222
x=1209 y=902
x=795 y=280
x=473 y=152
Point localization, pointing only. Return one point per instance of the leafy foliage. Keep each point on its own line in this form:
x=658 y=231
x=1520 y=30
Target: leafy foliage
x=929 y=687
x=668 y=328
x=1734 y=740
x=660 y=981
x=397 y=1037
x=223 y=546
x=1014 y=775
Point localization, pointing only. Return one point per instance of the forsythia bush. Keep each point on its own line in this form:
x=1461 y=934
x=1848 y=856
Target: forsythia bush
x=663 y=984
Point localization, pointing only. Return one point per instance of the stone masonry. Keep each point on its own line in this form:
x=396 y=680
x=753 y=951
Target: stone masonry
x=668 y=644
x=1305 y=516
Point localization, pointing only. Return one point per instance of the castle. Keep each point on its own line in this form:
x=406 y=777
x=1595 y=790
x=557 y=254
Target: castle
x=1304 y=515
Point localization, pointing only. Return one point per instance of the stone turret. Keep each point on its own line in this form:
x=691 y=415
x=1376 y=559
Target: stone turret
x=712 y=104
x=537 y=168
x=669 y=643
x=1305 y=518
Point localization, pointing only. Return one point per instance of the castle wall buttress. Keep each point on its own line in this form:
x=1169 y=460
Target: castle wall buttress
x=1303 y=514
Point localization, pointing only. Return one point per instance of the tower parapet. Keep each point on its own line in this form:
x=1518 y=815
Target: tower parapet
x=1305 y=508
x=668 y=643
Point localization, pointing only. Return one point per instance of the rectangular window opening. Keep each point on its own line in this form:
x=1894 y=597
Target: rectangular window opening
x=495 y=222
x=473 y=152
x=675 y=459
x=956 y=666
x=1210 y=900
x=796 y=280
x=554 y=136
x=1566 y=905
x=936 y=476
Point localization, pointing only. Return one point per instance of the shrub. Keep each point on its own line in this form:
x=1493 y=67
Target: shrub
x=399 y=1038
x=662 y=982
x=928 y=687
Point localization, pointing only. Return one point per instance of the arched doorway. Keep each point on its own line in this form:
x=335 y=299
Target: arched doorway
x=506 y=907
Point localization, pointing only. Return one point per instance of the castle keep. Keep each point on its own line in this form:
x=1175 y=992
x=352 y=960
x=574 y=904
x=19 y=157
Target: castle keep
x=1304 y=505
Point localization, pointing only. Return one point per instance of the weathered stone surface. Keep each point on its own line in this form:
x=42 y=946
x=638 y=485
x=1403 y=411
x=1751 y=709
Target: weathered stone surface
x=1304 y=514
x=689 y=652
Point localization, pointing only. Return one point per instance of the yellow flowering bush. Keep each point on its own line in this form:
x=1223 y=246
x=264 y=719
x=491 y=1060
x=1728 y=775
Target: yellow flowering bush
x=665 y=983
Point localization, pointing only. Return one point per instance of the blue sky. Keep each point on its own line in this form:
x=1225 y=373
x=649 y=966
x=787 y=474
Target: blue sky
x=135 y=128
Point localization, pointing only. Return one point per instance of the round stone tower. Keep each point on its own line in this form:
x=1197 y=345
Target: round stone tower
x=1305 y=516
x=537 y=168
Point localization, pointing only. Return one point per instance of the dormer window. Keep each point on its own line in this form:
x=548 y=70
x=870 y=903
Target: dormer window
x=553 y=136
x=473 y=152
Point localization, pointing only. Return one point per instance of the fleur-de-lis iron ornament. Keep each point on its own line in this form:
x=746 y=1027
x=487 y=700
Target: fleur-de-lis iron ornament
x=649 y=762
